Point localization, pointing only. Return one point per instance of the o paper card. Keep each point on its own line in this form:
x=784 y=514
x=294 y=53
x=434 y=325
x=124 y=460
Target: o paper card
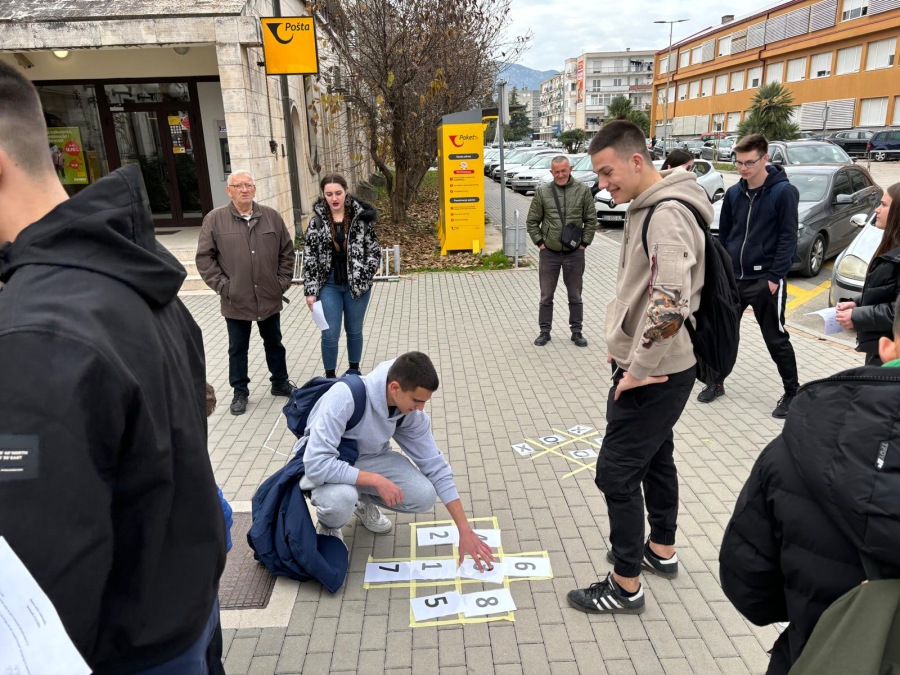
x=488 y=602
x=435 y=606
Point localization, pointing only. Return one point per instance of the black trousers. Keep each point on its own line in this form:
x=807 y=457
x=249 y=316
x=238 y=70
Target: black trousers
x=239 y=346
x=768 y=308
x=638 y=451
x=572 y=266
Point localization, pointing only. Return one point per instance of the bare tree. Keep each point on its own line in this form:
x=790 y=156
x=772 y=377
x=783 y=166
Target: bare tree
x=406 y=63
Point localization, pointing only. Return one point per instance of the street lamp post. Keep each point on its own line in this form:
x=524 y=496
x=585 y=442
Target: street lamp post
x=668 y=74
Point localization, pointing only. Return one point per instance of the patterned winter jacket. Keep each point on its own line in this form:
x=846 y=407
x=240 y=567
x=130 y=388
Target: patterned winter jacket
x=363 y=249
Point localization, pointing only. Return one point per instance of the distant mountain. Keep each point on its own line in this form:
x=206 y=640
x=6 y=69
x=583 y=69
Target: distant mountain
x=522 y=77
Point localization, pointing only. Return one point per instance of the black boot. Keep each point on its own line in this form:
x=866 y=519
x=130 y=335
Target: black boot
x=579 y=340
x=542 y=339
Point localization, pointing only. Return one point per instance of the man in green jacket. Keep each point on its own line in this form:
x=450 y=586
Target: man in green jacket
x=564 y=195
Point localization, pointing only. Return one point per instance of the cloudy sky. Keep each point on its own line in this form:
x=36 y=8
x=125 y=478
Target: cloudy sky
x=563 y=29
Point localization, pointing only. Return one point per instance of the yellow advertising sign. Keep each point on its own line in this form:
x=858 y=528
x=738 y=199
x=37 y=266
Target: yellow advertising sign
x=67 y=154
x=461 y=172
x=289 y=45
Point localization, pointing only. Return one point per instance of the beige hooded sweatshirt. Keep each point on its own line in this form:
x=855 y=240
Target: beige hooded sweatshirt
x=655 y=295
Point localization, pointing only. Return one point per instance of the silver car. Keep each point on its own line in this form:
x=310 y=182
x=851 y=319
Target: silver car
x=528 y=179
x=851 y=266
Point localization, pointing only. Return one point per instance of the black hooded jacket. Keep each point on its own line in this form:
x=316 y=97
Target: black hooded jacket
x=115 y=512
x=759 y=230
x=822 y=493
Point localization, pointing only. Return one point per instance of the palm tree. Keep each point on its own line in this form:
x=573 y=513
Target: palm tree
x=770 y=114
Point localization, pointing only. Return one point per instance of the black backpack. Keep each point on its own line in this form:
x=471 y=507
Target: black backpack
x=718 y=330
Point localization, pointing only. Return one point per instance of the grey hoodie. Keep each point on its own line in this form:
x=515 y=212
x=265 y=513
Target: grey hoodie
x=656 y=294
x=328 y=424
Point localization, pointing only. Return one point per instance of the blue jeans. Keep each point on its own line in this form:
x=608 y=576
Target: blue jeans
x=338 y=304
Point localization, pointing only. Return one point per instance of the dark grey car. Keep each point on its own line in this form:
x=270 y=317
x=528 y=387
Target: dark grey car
x=852 y=142
x=830 y=195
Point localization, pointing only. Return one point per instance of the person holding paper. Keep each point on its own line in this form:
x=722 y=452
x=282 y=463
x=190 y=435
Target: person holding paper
x=872 y=312
x=340 y=259
x=246 y=255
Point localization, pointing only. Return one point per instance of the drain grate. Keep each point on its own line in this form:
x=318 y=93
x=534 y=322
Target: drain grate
x=245 y=584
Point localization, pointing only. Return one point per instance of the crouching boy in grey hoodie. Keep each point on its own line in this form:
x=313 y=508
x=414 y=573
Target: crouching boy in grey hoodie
x=396 y=394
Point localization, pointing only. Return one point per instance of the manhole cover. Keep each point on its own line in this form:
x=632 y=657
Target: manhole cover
x=245 y=584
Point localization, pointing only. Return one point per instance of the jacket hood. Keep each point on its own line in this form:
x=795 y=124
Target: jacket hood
x=843 y=435
x=360 y=209
x=106 y=228
x=776 y=174
x=376 y=387
x=676 y=184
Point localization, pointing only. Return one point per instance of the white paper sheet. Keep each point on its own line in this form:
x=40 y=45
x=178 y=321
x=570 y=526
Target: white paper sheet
x=431 y=536
x=580 y=429
x=488 y=602
x=583 y=453
x=524 y=449
x=468 y=571
x=436 y=606
x=318 y=315
x=489 y=537
x=830 y=316
x=432 y=570
x=553 y=439
x=524 y=566
x=32 y=637
x=387 y=572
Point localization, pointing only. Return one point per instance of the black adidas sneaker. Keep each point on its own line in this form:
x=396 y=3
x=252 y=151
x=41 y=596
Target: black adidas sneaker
x=667 y=568
x=606 y=597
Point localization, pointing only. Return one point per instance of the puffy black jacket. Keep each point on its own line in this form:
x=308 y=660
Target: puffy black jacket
x=874 y=315
x=825 y=490
x=103 y=380
x=759 y=232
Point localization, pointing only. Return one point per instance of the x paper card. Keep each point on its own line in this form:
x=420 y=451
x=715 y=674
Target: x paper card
x=488 y=602
x=430 y=536
x=435 y=606
x=524 y=449
x=580 y=430
x=432 y=570
x=583 y=453
x=386 y=572
x=489 y=537
x=489 y=576
x=520 y=566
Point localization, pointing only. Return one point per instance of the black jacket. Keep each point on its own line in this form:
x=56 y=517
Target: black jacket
x=760 y=233
x=825 y=490
x=103 y=378
x=874 y=315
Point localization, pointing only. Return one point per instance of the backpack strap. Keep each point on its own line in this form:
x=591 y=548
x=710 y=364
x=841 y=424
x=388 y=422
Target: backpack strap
x=690 y=207
x=358 y=390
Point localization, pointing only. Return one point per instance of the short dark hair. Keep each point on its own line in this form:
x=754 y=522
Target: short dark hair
x=413 y=370
x=752 y=142
x=23 y=131
x=625 y=137
x=333 y=178
x=677 y=157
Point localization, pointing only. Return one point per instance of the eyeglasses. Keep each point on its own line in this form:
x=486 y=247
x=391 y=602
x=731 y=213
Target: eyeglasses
x=749 y=163
x=243 y=186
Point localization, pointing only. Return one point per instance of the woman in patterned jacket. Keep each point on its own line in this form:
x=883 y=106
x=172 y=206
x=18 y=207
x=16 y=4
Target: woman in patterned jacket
x=340 y=259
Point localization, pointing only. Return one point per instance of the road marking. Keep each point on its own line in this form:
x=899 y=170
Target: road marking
x=800 y=296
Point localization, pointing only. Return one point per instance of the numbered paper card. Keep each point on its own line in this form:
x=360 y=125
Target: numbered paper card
x=432 y=570
x=431 y=536
x=386 y=572
x=521 y=566
x=488 y=602
x=489 y=576
x=489 y=537
x=436 y=606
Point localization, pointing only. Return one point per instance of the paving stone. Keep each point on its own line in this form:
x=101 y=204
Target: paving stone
x=534 y=659
x=263 y=665
x=240 y=655
x=293 y=654
x=270 y=641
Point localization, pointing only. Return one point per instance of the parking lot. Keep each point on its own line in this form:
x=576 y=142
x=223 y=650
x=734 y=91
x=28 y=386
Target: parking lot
x=805 y=295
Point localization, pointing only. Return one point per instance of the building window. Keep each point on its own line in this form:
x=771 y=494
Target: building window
x=896 y=121
x=820 y=66
x=722 y=84
x=775 y=72
x=881 y=54
x=796 y=70
x=754 y=75
x=663 y=66
x=853 y=9
x=734 y=119
x=873 y=111
x=718 y=121
x=617 y=82
x=725 y=46
x=695 y=89
x=848 y=60
x=697 y=54
x=706 y=87
x=737 y=80
x=682 y=92
x=684 y=59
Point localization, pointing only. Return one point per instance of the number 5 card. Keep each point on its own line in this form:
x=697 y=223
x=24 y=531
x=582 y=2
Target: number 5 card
x=435 y=606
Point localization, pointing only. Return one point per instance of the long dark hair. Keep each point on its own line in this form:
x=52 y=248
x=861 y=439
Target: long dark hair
x=677 y=157
x=891 y=237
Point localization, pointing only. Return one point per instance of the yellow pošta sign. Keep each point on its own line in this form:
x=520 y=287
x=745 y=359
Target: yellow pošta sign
x=289 y=45
x=68 y=155
x=461 y=173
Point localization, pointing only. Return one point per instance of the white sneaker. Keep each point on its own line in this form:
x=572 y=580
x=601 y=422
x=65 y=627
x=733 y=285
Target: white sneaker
x=330 y=532
x=373 y=519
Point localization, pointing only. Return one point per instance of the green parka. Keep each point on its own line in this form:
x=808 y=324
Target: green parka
x=543 y=222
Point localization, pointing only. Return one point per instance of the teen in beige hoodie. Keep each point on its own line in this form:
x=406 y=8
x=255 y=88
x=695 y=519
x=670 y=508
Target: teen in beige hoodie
x=652 y=360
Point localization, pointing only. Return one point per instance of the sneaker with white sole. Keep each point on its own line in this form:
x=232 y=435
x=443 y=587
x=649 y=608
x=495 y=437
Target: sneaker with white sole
x=606 y=597
x=373 y=519
x=330 y=531
x=667 y=568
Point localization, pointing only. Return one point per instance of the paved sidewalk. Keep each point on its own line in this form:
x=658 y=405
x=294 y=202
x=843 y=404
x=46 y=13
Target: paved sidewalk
x=497 y=389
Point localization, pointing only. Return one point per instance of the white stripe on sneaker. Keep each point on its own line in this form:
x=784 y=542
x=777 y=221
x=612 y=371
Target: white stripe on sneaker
x=661 y=561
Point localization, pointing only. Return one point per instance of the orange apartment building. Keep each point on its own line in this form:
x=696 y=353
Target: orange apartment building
x=837 y=57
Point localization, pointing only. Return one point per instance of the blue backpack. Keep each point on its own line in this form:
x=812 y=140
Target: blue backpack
x=303 y=400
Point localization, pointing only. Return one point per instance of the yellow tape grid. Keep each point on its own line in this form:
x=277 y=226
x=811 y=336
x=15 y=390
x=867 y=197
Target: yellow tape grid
x=584 y=438
x=458 y=582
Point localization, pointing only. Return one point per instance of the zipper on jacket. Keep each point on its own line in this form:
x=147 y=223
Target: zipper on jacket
x=851 y=378
x=747 y=230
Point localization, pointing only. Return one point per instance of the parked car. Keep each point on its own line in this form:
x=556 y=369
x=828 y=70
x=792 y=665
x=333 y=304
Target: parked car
x=853 y=142
x=807 y=152
x=663 y=148
x=528 y=178
x=884 y=145
x=830 y=195
x=851 y=266
x=693 y=146
x=721 y=152
x=509 y=157
x=523 y=161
